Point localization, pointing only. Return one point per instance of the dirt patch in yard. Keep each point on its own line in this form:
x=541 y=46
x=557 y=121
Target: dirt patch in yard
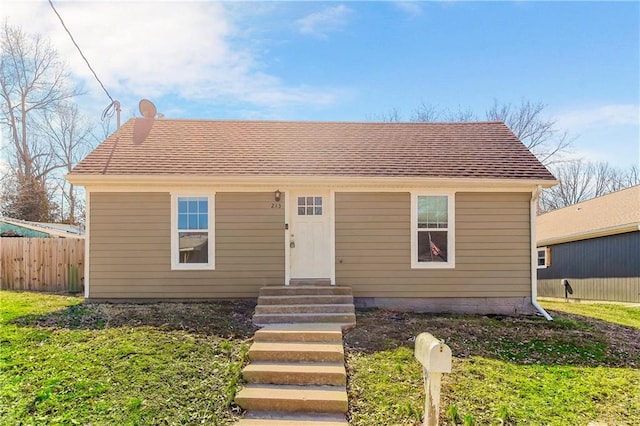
x=568 y=340
x=229 y=319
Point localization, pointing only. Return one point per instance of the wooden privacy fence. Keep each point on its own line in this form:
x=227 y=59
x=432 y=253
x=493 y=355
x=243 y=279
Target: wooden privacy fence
x=54 y=265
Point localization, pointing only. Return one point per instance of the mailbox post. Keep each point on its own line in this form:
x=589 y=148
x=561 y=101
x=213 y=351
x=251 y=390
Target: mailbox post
x=435 y=358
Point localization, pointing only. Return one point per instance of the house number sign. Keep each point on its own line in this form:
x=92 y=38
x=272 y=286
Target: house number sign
x=276 y=205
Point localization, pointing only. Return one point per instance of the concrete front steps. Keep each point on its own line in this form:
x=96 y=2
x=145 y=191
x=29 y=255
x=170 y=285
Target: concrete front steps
x=305 y=301
x=267 y=419
x=296 y=376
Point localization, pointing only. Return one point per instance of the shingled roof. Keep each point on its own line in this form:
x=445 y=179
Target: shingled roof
x=149 y=147
x=610 y=214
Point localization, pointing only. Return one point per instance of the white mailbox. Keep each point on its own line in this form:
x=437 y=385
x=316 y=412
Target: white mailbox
x=435 y=358
x=434 y=355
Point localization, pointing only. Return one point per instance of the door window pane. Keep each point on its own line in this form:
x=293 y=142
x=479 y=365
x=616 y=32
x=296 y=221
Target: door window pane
x=309 y=206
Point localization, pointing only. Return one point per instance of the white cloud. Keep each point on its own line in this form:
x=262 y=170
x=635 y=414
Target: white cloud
x=600 y=116
x=608 y=133
x=320 y=24
x=412 y=7
x=192 y=50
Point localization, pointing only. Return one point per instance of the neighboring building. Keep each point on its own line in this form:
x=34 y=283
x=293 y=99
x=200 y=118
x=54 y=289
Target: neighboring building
x=595 y=245
x=10 y=227
x=425 y=216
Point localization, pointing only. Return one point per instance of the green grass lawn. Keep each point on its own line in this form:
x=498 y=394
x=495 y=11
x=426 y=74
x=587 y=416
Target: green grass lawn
x=513 y=371
x=65 y=362
x=617 y=314
x=62 y=362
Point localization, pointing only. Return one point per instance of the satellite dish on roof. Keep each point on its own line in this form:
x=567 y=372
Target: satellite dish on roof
x=147 y=108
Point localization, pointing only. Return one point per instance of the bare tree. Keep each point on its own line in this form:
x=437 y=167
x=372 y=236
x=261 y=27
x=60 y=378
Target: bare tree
x=70 y=136
x=392 y=116
x=580 y=180
x=33 y=82
x=525 y=120
x=539 y=134
x=426 y=113
x=575 y=184
x=461 y=115
x=627 y=178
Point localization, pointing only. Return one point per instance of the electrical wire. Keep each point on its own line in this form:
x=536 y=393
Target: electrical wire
x=109 y=111
x=106 y=113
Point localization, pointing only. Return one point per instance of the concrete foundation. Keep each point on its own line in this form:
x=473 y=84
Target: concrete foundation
x=471 y=305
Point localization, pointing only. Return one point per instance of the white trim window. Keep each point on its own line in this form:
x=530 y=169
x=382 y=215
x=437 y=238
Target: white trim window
x=192 y=236
x=432 y=230
x=543 y=257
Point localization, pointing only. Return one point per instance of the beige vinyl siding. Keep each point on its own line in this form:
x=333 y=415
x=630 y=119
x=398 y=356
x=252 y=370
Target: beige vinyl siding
x=493 y=258
x=130 y=243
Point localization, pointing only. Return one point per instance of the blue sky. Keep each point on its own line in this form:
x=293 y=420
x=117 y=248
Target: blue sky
x=351 y=61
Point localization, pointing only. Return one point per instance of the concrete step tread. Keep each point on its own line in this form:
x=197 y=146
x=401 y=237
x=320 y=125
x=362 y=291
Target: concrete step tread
x=297 y=347
x=318 y=314
x=293 y=398
x=296 y=373
x=305 y=290
x=311 y=315
x=345 y=322
x=296 y=352
x=295 y=299
x=311 y=328
x=302 y=332
x=302 y=305
x=268 y=415
x=297 y=367
x=310 y=281
x=334 y=308
x=293 y=392
x=308 y=286
x=302 y=421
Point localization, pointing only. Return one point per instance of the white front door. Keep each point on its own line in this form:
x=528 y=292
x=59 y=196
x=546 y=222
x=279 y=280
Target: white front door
x=310 y=235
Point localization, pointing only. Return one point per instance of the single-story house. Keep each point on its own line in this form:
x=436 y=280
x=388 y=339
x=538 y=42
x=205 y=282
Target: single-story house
x=595 y=246
x=424 y=216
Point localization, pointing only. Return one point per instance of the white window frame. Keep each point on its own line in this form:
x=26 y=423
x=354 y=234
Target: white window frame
x=451 y=229
x=547 y=257
x=175 y=249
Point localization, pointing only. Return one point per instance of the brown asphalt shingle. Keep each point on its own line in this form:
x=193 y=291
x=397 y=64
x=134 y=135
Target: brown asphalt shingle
x=262 y=148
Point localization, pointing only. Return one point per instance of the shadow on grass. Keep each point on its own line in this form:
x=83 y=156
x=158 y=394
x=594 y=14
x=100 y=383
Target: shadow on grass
x=227 y=319
x=568 y=340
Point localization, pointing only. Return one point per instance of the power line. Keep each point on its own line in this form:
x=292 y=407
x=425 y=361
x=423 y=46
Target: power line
x=80 y=50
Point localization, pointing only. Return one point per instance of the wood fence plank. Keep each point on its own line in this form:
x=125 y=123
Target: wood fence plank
x=42 y=264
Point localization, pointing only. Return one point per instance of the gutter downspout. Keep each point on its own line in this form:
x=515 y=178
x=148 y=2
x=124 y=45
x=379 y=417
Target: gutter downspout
x=534 y=258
